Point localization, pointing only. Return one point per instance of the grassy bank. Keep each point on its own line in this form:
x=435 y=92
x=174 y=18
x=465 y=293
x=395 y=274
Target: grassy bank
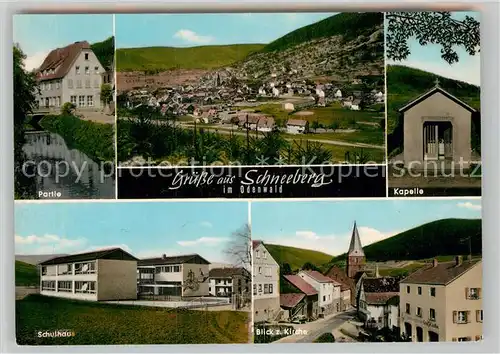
x=26 y=274
x=96 y=140
x=98 y=323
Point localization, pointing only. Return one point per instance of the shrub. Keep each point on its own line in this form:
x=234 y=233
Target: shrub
x=325 y=338
x=68 y=108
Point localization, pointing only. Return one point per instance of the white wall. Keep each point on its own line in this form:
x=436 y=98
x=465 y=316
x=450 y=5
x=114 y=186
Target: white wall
x=324 y=289
x=265 y=271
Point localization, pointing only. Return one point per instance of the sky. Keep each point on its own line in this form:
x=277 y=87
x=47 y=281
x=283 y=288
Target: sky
x=187 y=30
x=428 y=58
x=144 y=229
x=326 y=226
x=39 y=34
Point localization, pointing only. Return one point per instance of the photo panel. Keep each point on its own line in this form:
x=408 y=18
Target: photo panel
x=180 y=276
x=64 y=106
x=380 y=270
x=273 y=91
x=433 y=103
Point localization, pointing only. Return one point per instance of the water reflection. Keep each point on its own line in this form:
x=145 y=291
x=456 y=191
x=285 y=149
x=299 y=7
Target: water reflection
x=70 y=172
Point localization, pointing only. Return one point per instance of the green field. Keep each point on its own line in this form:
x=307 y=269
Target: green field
x=297 y=257
x=167 y=58
x=98 y=323
x=26 y=274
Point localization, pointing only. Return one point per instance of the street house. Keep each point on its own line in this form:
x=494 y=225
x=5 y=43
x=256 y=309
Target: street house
x=328 y=291
x=437 y=127
x=108 y=274
x=347 y=286
x=297 y=126
x=443 y=302
x=266 y=291
x=183 y=275
x=307 y=305
x=378 y=302
x=229 y=281
x=70 y=74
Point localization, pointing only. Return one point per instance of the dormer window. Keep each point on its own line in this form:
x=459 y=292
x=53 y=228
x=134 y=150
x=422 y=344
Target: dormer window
x=86 y=56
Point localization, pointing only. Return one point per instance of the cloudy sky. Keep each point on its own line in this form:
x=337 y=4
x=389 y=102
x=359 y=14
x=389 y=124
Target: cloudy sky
x=187 y=30
x=428 y=58
x=326 y=226
x=39 y=34
x=145 y=229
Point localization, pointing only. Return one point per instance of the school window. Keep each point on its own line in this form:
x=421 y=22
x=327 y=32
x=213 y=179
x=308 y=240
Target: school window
x=78 y=83
x=65 y=286
x=85 y=287
x=419 y=289
x=408 y=308
x=479 y=316
x=77 y=70
x=49 y=285
x=433 y=291
x=432 y=314
x=81 y=101
x=90 y=101
x=73 y=100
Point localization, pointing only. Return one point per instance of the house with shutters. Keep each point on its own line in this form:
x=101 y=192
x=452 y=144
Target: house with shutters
x=71 y=74
x=109 y=274
x=266 y=287
x=443 y=302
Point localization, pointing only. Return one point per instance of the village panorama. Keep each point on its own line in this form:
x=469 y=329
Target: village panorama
x=313 y=96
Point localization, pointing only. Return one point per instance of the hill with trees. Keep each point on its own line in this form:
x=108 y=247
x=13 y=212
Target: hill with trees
x=350 y=25
x=105 y=51
x=404 y=84
x=26 y=274
x=445 y=237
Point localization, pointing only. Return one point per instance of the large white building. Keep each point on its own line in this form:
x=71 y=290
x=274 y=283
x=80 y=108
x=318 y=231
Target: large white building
x=329 y=293
x=183 y=275
x=266 y=291
x=229 y=281
x=108 y=274
x=71 y=74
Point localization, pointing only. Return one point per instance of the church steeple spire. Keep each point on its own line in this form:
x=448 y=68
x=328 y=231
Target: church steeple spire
x=355 y=247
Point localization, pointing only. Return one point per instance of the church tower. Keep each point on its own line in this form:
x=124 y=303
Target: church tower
x=355 y=261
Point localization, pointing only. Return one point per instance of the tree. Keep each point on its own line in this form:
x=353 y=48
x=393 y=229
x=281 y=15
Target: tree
x=239 y=248
x=286 y=269
x=431 y=28
x=25 y=91
x=68 y=109
x=106 y=93
x=334 y=125
x=310 y=266
x=315 y=125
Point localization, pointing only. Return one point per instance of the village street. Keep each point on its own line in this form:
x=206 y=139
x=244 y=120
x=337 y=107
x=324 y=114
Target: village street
x=318 y=327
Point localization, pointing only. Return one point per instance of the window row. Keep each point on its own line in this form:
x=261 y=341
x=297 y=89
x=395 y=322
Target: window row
x=470 y=293
x=78 y=83
x=86 y=70
x=267 y=271
x=262 y=254
x=51 y=85
x=81 y=287
x=168 y=269
x=259 y=289
x=81 y=101
x=459 y=317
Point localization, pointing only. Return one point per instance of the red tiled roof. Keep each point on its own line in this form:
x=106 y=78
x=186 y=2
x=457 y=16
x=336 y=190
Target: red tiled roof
x=441 y=274
x=379 y=298
x=61 y=59
x=320 y=277
x=290 y=300
x=301 y=284
x=340 y=276
x=255 y=243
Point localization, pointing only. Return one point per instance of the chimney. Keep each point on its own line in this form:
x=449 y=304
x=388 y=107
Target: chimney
x=458 y=260
x=164 y=256
x=434 y=262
